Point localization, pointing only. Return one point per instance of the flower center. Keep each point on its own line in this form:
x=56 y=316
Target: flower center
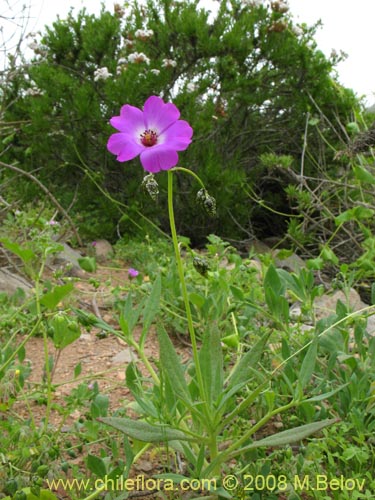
x=149 y=138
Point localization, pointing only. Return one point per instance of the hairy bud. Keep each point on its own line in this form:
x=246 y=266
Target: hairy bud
x=151 y=186
x=201 y=265
x=207 y=201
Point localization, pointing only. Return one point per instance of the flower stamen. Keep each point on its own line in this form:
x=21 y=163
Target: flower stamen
x=149 y=138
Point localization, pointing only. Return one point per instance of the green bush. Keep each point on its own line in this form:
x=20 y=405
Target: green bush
x=246 y=79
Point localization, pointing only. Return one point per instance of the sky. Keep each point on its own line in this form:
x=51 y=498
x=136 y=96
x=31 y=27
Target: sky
x=347 y=26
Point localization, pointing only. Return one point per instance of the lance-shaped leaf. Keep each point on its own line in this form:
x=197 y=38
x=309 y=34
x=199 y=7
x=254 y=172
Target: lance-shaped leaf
x=244 y=370
x=289 y=436
x=171 y=365
x=211 y=361
x=143 y=431
x=280 y=439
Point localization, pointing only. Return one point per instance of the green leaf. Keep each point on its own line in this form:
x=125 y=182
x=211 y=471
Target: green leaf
x=283 y=438
x=145 y=432
x=237 y=293
x=326 y=395
x=274 y=290
x=273 y=282
x=99 y=407
x=197 y=300
x=314 y=121
x=308 y=364
x=96 y=465
x=290 y=436
x=87 y=264
x=171 y=366
x=356 y=213
x=51 y=299
x=211 y=361
x=25 y=254
x=43 y=495
x=77 y=370
x=65 y=331
x=129 y=316
x=315 y=264
x=244 y=370
x=363 y=175
x=133 y=382
x=89 y=319
x=329 y=255
x=151 y=309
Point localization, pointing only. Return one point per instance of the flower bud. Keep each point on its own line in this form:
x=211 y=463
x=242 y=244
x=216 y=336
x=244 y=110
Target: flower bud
x=201 y=265
x=208 y=202
x=151 y=186
x=210 y=205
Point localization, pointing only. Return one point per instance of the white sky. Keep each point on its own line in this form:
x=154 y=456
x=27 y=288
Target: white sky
x=347 y=26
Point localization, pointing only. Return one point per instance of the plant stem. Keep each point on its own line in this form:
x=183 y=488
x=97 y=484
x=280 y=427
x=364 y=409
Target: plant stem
x=190 y=172
x=213 y=447
x=181 y=274
x=45 y=347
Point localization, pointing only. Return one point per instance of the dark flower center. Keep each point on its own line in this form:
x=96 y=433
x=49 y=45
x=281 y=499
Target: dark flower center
x=149 y=138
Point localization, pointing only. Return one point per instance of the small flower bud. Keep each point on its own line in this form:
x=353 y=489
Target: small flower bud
x=201 y=265
x=210 y=205
x=208 y=202
x=151 y=186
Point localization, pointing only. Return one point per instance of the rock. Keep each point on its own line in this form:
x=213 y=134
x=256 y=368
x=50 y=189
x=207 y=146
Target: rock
x=292 y=263
x=371 y=325
x=103 y=250
x=259 y=247
x=325 y=305
x=124 y=356
x=85 y=337
x=10 y=282
x=69 y=257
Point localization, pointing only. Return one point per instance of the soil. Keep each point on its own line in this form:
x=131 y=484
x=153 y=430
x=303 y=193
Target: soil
x=102 y=359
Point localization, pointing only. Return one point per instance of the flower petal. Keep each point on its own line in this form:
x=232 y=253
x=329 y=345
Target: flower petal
x=177 y=136
x=131 y=120
x=124 y=146
x=159 y=115
x=158 y=158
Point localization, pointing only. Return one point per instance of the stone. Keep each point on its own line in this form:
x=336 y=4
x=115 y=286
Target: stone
x=103 y=250
x=10 y=282
x=69 y=257
x=325 y=305
x=292 y=263
x=124 y=356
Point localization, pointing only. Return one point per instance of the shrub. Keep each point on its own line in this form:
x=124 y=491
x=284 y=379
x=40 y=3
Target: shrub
x=246 y=78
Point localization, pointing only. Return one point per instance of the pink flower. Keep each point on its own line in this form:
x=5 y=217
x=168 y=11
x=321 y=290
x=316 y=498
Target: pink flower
x=133 y=273
x=156 y=134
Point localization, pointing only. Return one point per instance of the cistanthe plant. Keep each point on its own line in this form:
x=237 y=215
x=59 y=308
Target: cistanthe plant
x=198 y=409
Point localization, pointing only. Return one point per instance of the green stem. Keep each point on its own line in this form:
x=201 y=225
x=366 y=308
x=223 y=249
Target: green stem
x=187 y=171
x=213 y=447
x=144 y=359
x=45 y=347
x=181 y=274
x=19 y=347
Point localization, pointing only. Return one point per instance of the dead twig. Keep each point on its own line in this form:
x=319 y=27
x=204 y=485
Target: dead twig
x=48 y=193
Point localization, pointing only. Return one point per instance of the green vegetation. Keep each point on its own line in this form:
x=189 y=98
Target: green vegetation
x=233 y=369
x=248 y=80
